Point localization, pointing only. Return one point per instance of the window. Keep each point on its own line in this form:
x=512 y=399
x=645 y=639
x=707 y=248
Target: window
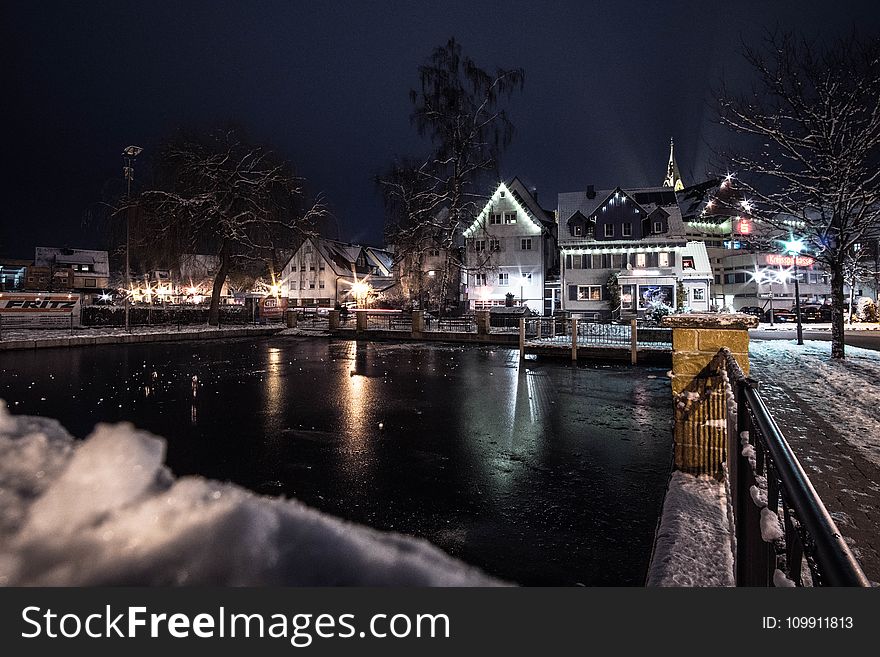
x=576 y=261
x=311 y=285
x=590 y=230
x=321 y=265
x=577 y=230
x=480 y=280
x=434 y=253
x=91 y=282
x=609 y=230
x=627 y=229
x=526 y=244
x=494 y=245
x=527 y=279
x=698 y=294
x=589 y=293
x=687 y=262
x=640 y=260
x=510 y=217
x=503 y=279
x=312 y=266
x=308 y=248
x=321 y=283
x=494 y=218
x=658 y=226
x=717 y=279
x=302 y=285
x=302 y=267
x=479 y=245
x=663 y=259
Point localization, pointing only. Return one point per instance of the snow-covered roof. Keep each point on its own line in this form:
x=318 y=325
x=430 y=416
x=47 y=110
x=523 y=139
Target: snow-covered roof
x=525 y=201
x=702 y=266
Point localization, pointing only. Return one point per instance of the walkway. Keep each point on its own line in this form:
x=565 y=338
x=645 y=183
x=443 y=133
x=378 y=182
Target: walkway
x=828 y=413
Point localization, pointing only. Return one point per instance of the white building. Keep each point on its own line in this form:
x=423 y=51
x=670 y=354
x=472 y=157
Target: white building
x=637 y=237
x=510 y=248
x=321 y=272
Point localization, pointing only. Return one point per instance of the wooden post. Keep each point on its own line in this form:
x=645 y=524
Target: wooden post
x=522 y=338
x=634 y=338
x=574 y=339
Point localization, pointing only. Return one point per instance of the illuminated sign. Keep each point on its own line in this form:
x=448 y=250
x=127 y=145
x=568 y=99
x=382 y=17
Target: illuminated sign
x=744 y=227
x=788 y=261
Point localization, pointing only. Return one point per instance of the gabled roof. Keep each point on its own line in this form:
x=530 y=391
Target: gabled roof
x=613 y=193
x=342 y=256
x=543 y=219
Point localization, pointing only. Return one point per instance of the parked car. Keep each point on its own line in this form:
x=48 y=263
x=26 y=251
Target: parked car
x=781 y=315
x=815 y=312
x=755 y=311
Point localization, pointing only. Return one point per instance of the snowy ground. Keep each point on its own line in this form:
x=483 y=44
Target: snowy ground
x=693 y=546
x=12 y=335
x=821 y=326
x=846 y=393
x=106 y=511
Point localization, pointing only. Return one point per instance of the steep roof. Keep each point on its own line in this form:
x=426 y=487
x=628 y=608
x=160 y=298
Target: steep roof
x=543 y=219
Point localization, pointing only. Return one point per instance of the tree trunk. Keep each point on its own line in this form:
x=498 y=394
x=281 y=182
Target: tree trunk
x=219 y=280
x=837 y=311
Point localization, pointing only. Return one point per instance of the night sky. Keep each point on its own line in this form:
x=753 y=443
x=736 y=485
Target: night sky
x=607 y=84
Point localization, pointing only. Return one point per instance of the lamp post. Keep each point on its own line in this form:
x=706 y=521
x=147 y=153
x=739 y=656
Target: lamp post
x=794 y=247
x=130 y=153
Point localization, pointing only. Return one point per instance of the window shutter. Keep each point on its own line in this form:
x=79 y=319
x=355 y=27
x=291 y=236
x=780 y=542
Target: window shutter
x=653 y=259
x=672 y=258
x=568 y=262
x=572 y=292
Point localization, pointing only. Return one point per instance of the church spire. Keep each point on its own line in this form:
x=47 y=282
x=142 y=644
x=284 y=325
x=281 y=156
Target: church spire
x=673 y=177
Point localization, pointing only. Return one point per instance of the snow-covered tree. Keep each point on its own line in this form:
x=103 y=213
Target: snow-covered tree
x=460 y=108
x=812 y=165
x=221 y=195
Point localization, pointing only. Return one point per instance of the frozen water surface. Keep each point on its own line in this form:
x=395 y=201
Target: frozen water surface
x=538 y=473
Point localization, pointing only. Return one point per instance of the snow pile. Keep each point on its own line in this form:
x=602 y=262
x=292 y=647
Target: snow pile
x=693 y=545
x=107 y=512
x=847 y=392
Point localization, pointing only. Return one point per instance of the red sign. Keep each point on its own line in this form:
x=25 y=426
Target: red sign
x=788 y=261
x=745 y=227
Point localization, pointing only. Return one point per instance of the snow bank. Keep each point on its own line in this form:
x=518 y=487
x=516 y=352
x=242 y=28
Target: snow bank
x=845 y=392
x=693 y=545
x=107 y=512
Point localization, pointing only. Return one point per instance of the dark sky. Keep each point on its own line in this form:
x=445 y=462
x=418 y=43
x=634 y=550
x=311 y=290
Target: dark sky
x=607 y=84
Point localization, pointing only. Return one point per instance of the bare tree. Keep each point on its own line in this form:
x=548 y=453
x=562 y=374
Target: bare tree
x=221 y=195
x=813 y=118
x=459 y=107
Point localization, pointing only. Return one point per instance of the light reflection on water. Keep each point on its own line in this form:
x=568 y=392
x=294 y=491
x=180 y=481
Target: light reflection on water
x=529 y=470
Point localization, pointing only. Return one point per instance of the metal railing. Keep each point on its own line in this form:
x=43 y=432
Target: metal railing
x=784 y=533
x=389 y=321
x=464 y=324
x=558 y=330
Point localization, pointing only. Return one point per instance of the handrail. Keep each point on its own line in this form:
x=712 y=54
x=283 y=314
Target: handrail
x=836 y=564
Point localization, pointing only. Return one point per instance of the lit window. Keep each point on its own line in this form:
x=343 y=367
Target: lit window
x=480 y=280
x=640 y=260
x=526 y=244
x=589 y=293
x=510 y=217
x=663 y=259
x=577 y=230
x=609 y=230
x=503 y=279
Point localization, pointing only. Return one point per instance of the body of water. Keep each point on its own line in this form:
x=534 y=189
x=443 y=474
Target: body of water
x=538 y=472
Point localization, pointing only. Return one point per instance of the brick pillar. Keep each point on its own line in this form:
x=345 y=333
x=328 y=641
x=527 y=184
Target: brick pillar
x=360 y=321
x=482 y=322
x=334 y=319
x=700 y=432
x=418 y=322
x=291 y=318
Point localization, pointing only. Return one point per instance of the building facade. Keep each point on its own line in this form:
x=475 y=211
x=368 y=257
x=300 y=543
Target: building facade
x=77 y=270
x=326 y=273
x=629 y=243
x=511 y=251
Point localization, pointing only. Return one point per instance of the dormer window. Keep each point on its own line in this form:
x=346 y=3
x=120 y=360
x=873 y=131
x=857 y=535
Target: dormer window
x=577 y=230
x=658 y=226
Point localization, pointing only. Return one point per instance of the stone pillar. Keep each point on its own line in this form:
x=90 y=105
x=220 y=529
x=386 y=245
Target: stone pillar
x=701 y=426
x=360 y=321
x=291 y=318
x=418 y=322
x=483 y=322
x=333 y=316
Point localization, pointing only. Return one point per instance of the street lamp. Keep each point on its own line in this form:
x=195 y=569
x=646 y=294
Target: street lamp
x=130 y=153
x=794 y=247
